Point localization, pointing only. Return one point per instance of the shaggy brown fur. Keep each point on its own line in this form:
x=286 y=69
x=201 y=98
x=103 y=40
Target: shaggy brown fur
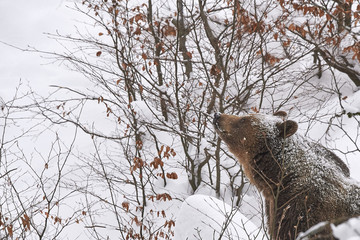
x=303 y=183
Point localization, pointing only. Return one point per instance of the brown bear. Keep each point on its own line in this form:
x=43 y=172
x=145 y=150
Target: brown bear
x=303 y=183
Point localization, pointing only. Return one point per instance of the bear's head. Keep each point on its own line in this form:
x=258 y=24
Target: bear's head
x=249 y=135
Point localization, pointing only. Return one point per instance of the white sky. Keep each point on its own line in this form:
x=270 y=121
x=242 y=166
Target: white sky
x=23 y=24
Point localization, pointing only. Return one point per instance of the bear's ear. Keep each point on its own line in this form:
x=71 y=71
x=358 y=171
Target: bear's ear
x=282 y=114
x=287 y=128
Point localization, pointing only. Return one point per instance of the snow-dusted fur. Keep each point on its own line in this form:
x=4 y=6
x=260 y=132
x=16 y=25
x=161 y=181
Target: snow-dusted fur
x=303 y=182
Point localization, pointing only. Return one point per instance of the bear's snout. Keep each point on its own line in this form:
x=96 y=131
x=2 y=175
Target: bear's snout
x=216 y=118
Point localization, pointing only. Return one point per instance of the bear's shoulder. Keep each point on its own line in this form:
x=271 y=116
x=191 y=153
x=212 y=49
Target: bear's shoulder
x=302 y=151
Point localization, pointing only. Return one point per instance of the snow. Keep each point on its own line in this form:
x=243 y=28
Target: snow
x=145 y=112
x=350 y=230
x=205 y=217
x=352 y=104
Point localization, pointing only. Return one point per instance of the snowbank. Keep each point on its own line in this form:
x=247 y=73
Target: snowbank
x=204 y=217
x=349 y=230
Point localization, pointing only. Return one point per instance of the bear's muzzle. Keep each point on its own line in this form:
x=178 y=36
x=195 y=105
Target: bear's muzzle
x=216 y=119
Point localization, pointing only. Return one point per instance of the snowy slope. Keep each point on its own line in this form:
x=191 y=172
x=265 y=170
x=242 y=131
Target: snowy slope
x=204 y=217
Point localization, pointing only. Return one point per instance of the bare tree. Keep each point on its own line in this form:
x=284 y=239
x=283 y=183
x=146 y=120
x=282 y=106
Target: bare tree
x=35 y=197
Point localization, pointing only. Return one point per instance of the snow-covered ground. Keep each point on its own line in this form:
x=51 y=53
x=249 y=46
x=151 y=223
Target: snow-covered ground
x=205 y=217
